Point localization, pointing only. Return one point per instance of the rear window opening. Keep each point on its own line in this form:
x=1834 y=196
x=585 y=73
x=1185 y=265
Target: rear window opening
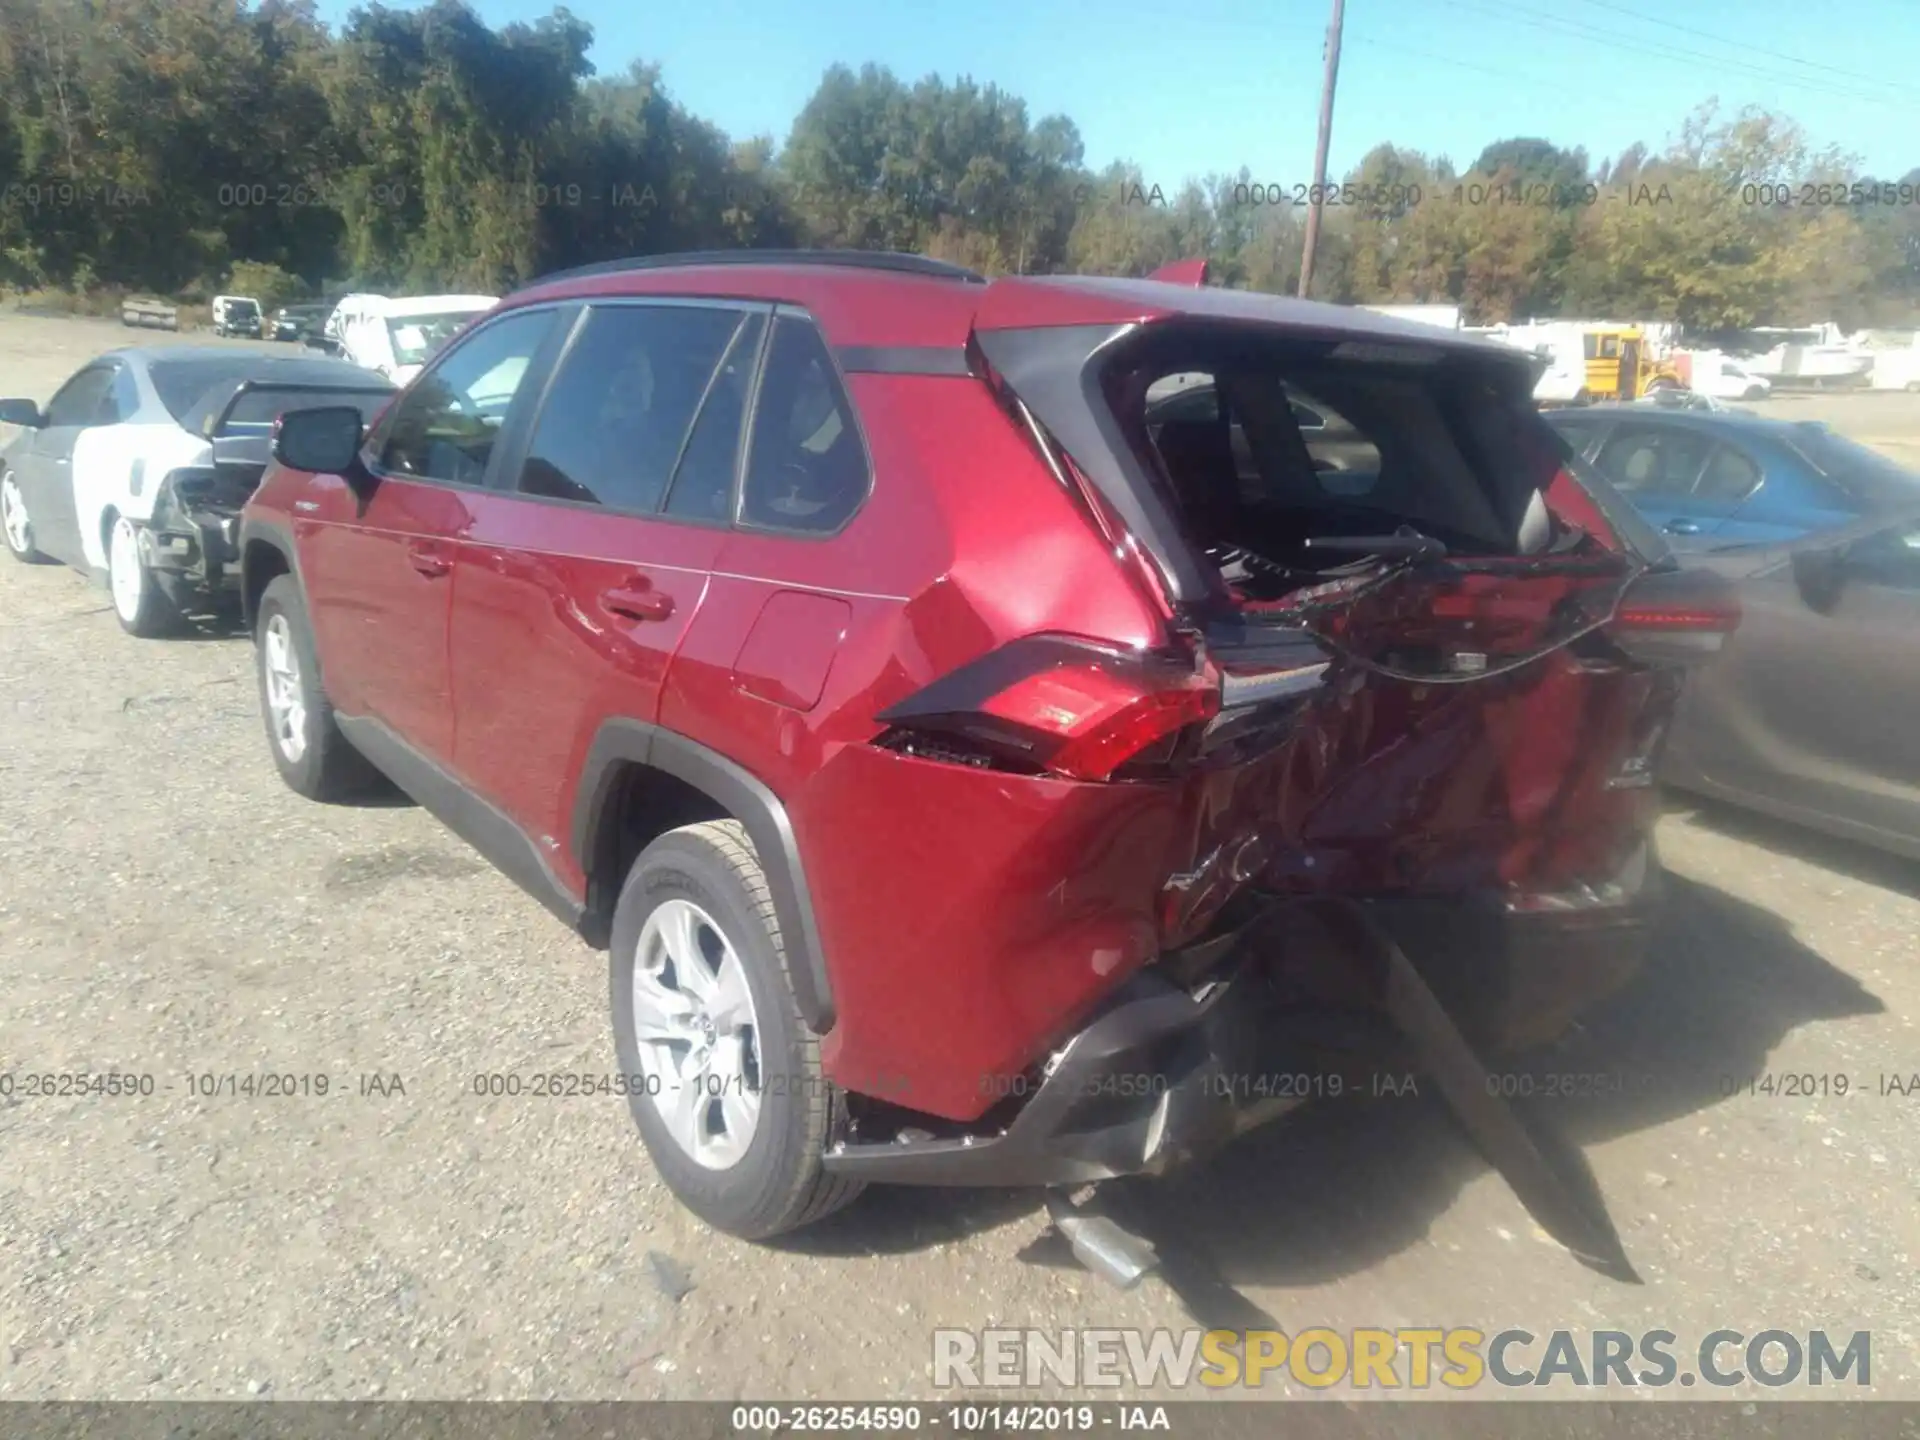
x=1269 y=450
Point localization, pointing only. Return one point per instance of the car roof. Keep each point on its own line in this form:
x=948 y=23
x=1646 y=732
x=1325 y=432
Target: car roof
x=868 y=299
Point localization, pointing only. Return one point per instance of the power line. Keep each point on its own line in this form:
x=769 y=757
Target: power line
x=1537 y=80
x=1657 y=49
x=1853 y=75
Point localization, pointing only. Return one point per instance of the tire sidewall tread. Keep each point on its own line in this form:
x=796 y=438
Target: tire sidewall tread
x=779 y=1184
x=329 y=768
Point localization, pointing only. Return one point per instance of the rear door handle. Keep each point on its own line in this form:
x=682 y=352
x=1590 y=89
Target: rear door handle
x=637 y=600
x=428 y=558
x=1683 y=527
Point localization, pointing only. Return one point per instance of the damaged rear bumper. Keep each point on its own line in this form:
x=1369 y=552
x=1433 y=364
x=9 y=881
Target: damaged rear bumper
x=1166 y=1073
x=192 y=548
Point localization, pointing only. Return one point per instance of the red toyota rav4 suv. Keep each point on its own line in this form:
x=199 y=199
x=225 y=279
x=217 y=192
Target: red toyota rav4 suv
x=975 y=715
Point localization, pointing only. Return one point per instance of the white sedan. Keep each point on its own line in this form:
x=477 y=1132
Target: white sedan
x=136 y=471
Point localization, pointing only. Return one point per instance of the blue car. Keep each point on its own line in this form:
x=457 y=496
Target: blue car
x=1712 y=480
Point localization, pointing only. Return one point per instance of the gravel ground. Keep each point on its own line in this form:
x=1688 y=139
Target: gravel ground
x=168 y=908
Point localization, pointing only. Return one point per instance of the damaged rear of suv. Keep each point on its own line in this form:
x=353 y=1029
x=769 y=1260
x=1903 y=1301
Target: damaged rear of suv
x=1395 y=693
x=1060 y=724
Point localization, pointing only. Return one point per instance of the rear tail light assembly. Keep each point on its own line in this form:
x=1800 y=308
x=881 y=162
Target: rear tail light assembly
x=1057 y=705
x=1675 y=617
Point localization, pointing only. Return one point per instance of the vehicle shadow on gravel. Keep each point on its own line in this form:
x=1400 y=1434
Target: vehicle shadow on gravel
x=1340 y=1186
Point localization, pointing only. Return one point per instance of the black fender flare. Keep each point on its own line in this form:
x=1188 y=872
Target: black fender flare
x=620 y=742
x=278 y=536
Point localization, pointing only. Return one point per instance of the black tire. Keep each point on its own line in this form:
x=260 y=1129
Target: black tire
x=23 y=552
x=327 y=767
x=145 y=610
x=778 y=1184
x=1753 y=392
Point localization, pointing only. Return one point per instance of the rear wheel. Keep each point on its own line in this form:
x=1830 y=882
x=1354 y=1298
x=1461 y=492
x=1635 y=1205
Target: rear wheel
x=313 y=757
x=1754 y=392
x=724 y=1077
x=140 y=605
x=16 y=524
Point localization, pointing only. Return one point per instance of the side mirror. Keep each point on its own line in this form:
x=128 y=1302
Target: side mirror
x=23 y=413
x=1820 y=572
x=324 y=440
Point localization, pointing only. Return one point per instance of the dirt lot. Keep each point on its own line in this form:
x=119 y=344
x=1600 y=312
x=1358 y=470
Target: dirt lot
x=168 y=908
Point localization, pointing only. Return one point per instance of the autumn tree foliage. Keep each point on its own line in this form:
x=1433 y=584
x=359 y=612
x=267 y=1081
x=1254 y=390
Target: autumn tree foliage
x=175 y=144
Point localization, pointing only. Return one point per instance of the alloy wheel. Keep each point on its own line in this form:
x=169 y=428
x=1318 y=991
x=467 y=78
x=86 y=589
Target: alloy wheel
x=13 y=515
x=125 y=574
x=698 y=1034
x=286 y=706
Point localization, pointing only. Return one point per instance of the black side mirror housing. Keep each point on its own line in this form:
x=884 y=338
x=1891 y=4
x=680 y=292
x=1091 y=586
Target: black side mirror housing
x=23 y=413
x=323 y=440
x=1820 y=572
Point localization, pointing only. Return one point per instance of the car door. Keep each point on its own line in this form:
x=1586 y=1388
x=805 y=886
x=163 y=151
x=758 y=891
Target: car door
x=586 y=565
x=1810 y=707
x=1655 y=467
x=379 y=570
x=46 y=465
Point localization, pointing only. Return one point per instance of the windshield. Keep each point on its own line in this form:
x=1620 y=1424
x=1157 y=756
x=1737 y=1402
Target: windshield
x=416 y=337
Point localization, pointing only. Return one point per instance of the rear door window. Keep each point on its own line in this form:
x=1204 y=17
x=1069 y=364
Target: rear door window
x=1731 y=475
x=807 y=469
x=1647 y=462
x=621 y=408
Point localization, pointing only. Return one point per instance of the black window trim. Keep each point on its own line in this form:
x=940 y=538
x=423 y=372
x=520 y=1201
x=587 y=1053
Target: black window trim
x=539 y=368
x=742 y=442
x=838 y=374
x=508 y=481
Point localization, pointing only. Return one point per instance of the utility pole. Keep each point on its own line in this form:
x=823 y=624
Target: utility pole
x=1317 y=196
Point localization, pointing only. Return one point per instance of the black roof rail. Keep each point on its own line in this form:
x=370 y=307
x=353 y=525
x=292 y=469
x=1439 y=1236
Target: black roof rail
x=891 y=260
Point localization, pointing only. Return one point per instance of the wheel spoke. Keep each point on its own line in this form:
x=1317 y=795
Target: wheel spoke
x=729 y=1005
x=739 y=1111
x=667 y=1008
x=685 y=1110
x=680 y=926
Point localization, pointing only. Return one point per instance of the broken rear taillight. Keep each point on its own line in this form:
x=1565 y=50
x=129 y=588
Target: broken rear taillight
x=1675 y=617
x=1058 y=705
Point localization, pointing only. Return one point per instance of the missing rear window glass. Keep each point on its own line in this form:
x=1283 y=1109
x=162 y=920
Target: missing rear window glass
x=1285 y=460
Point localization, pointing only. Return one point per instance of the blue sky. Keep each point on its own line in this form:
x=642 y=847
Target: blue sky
x=1193 y=86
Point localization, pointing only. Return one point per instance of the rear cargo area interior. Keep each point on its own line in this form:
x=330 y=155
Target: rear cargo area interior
x=1264 y=453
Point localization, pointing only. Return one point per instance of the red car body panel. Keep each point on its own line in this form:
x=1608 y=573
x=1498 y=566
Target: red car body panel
x=970 y=919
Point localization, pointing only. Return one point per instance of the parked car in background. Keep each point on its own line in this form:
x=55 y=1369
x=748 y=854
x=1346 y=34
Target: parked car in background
x=136 y=471
x=1712 y=478
x=1808 y=715
x=1720 y=377
x=397 y=336
x=296 y=322
x=689 y=589
x=236 y=315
